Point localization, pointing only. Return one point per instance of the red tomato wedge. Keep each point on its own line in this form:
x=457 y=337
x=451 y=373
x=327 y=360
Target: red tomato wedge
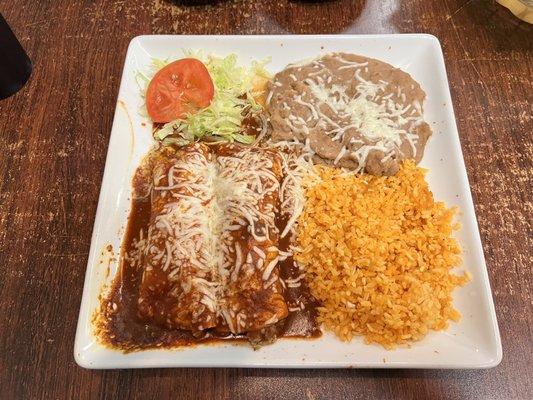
x=182 y=87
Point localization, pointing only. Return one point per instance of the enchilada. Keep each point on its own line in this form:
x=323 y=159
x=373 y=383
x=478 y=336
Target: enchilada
x=202 y=258
x=253 y=297
x=179 y=284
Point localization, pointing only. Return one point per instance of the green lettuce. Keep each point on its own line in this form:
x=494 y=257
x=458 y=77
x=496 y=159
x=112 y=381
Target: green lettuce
x=232 y=102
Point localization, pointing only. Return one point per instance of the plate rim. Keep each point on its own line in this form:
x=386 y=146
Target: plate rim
x=84 y=314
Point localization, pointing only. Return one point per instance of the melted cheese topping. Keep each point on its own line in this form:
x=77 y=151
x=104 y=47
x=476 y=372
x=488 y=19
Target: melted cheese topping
x=179 y=238
x=299 y=173
x=213 y=197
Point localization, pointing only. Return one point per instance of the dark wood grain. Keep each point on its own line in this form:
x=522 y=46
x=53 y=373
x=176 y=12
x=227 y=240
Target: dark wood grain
x=54 y=133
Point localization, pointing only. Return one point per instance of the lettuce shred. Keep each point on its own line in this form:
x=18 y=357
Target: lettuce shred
x=234 y=100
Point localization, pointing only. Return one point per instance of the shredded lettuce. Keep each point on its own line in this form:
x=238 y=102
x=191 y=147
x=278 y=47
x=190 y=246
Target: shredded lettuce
x=235 y=89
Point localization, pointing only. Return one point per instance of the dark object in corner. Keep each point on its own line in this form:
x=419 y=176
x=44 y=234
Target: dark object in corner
x=15 y=66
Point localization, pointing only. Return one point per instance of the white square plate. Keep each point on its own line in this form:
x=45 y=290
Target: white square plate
x=474 y=342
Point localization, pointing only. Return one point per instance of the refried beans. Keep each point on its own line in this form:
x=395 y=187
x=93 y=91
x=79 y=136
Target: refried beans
x=350 y=111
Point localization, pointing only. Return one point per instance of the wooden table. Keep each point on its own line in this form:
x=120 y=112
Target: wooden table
x=54 y=134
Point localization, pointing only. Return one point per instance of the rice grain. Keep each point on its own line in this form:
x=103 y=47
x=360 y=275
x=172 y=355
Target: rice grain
x=378 y=253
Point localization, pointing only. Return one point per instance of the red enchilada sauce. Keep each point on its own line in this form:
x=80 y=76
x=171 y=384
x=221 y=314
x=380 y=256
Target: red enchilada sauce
x=118 y=324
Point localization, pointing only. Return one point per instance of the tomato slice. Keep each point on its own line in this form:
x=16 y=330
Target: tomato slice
x=182 y=87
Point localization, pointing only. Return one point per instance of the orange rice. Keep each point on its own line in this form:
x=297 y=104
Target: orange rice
x=378 y=253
